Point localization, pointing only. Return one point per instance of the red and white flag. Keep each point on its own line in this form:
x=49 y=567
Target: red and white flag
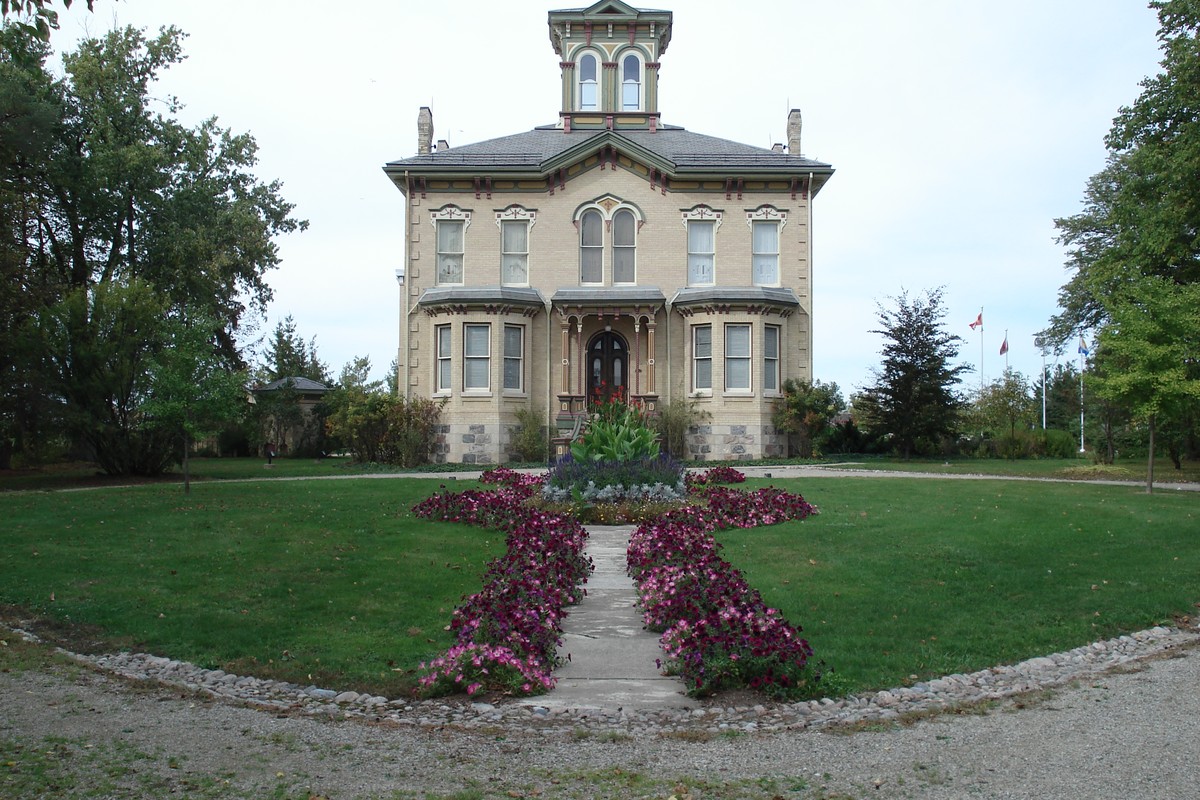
x=978 y=323
x=1004 y=347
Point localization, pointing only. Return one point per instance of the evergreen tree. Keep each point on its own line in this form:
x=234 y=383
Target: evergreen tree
x=913 y=399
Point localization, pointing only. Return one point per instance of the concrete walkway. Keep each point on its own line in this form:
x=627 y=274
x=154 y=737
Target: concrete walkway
x=609 y=657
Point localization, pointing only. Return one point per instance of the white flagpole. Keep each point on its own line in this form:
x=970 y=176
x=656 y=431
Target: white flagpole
x=1081 y=448
x=981 y=351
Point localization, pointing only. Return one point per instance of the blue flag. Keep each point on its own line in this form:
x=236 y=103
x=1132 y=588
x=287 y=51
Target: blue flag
x=1083 y=348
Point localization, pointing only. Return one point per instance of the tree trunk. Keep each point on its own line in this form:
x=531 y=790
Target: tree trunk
x=1150 y=460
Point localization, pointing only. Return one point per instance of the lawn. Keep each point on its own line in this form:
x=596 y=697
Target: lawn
x=332 y=582
x=336 y=583
x=914 y=577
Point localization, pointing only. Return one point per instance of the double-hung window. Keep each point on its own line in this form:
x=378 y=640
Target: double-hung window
x=631 y=83
x=591 y=247
x=514 y=358
x=737 y=358
x=476 y=357
x=701 y=252
x=450 y=251
x=771 y=339
x=444 y=358
x=514 y=252
x=589 y=84
x=702 y=358
x=624 y=247
x=765 y=253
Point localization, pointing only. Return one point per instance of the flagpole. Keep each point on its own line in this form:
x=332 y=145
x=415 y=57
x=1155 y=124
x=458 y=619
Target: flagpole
x=1081 y=447
x=981 y=351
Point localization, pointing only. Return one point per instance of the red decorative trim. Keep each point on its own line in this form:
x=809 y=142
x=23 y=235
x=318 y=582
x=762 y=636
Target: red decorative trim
x=587 y=33
x=566 y=123
x=608 y=122
x=795 y=187
x=477 y=180
x=729 y=188
x=488 y=183
x=652 y=65
x=654 y=123
x=566 y=64
x=632 y=28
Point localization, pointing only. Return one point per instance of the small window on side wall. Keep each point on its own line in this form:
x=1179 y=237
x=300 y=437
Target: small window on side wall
x=444 y=359
x=771 y=340
x=702 y=358
x=514 y=358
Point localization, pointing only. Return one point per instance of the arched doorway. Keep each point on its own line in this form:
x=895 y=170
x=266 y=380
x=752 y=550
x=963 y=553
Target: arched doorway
x=607 y=366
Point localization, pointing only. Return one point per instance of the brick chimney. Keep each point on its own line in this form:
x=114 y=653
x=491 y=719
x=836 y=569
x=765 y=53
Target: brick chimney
x=424 y=131
x=793 y=132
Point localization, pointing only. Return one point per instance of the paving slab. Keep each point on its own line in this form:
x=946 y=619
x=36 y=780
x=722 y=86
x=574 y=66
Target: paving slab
x=609 y=658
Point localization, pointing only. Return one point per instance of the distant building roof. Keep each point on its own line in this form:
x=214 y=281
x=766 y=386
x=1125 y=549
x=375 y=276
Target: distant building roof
x=297 y=383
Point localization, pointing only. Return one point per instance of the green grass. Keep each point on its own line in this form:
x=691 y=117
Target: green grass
x=1073 y=468
x=332 y=582
x=900 y=577
x=336 y=583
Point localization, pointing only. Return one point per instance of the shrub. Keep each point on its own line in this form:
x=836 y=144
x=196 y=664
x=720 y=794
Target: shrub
x=384 y=428
x=673 y=422
x=530 y=438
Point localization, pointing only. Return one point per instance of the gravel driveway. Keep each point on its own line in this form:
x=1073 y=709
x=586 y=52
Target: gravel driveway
x=71 y=731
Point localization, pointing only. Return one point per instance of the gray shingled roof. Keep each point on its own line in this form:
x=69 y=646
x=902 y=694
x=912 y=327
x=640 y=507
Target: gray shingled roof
x=681 y=148
x=606 y=295
x=736 y=294
x=297 y=383
x=518 y=295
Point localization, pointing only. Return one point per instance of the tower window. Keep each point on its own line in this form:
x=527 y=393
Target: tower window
x=589 y=84
x=631 y=83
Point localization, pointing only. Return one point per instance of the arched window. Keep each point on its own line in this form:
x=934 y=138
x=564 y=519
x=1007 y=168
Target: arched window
x=589 y=83
x=631 y=83
x=624 y=247
x=591 y=247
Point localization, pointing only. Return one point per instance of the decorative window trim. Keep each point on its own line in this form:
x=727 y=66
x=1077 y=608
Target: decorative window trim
x=452 y=213
x=766 y=214
x=702 y=214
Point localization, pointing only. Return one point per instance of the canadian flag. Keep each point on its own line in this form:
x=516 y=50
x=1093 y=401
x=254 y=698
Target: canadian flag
x=1004 y=347
x=978 y=323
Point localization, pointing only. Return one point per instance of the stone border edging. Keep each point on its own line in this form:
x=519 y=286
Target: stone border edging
x=941 y=694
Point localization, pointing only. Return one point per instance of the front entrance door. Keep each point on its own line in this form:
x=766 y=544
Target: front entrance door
x=608 y=366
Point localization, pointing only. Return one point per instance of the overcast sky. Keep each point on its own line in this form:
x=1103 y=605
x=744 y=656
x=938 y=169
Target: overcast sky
x=959 y=130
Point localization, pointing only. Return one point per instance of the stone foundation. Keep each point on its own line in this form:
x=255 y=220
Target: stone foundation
x=735 y=442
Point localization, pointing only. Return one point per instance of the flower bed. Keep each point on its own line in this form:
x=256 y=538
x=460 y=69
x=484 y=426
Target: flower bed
x=507 y=634
x=718 y=633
